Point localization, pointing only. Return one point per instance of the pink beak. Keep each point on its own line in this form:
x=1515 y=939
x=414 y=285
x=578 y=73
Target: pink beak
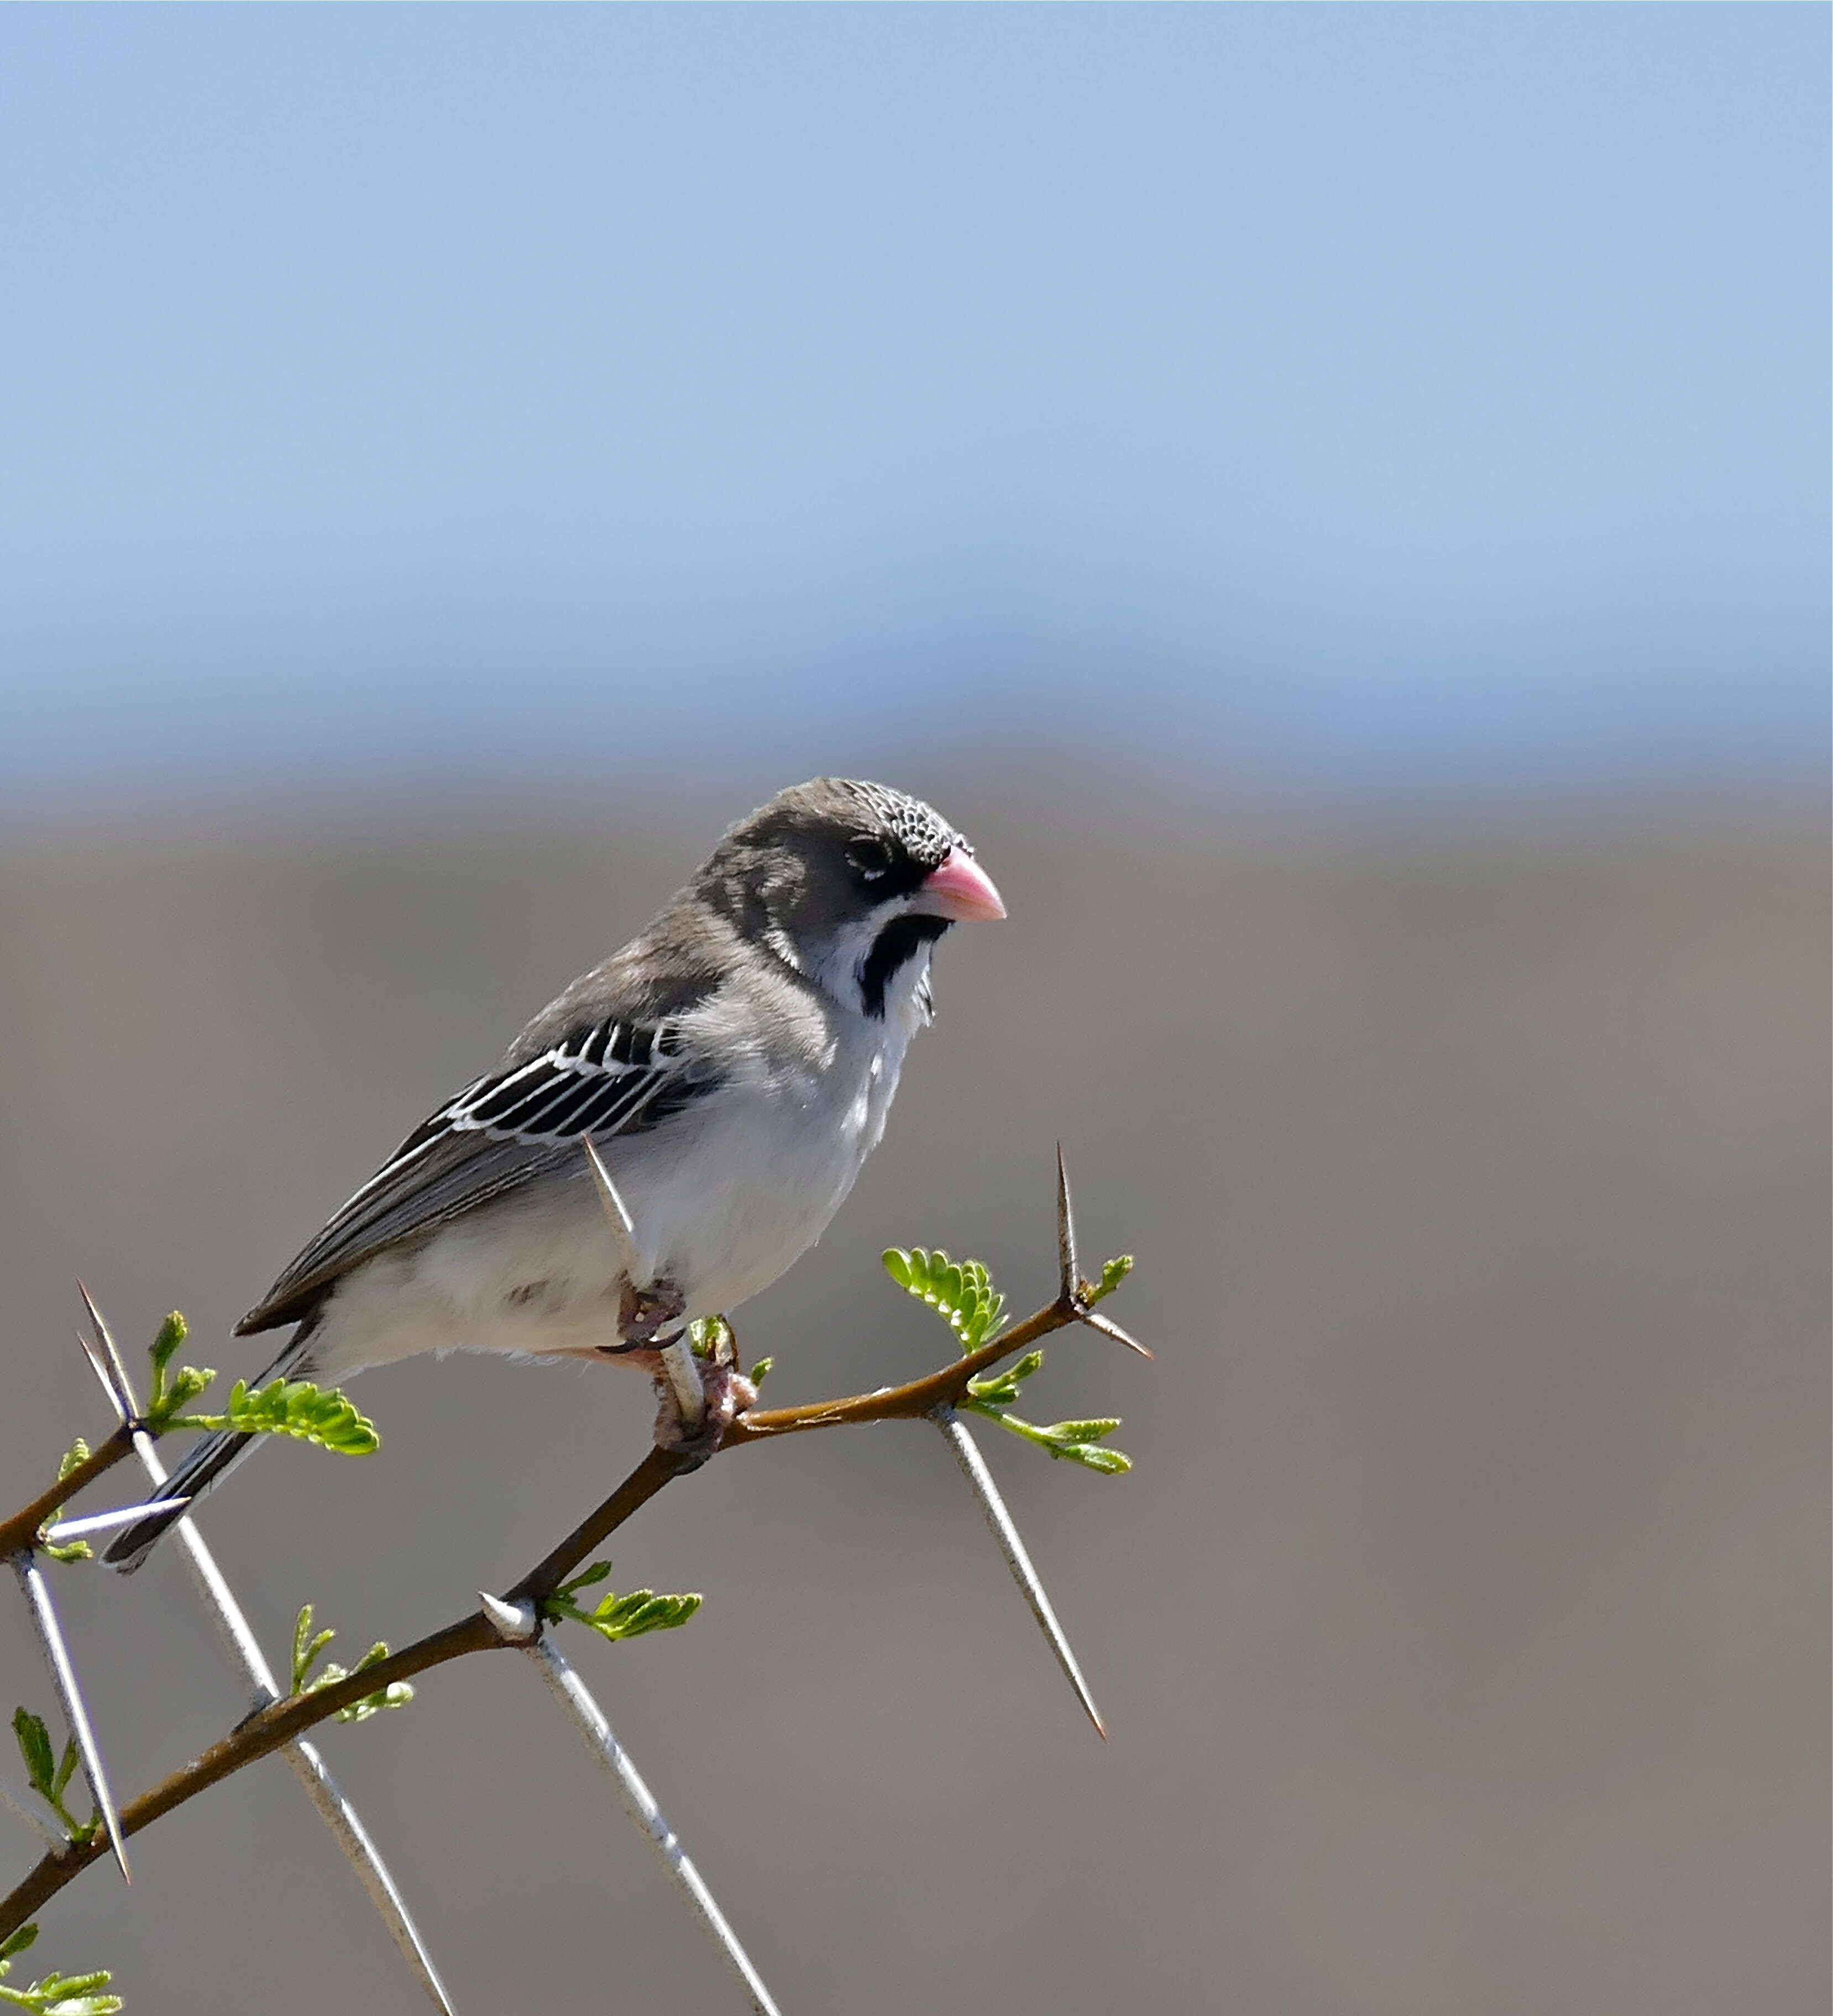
x=960 y=889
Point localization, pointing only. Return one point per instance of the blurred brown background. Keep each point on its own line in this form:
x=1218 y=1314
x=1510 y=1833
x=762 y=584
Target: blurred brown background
x=1463 y=1628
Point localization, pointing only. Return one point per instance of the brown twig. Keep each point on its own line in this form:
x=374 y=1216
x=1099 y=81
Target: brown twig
x=269 y=1729
x=21 y=1529
x=912 y=1402
x=302 y=1758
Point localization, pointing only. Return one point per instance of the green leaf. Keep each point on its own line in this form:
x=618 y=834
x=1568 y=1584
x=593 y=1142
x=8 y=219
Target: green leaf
x=962 y=1292
x=1113 y=1273
x=1072 y=1442
x=18 y=1942
x=711 y=1338
x=307 y=1649
x=761 y=1371
x=34 y=1747
x=165 y=1348
x=397 y=1693
x=169 y=1393
x=47 y=1773
x=1000 y=1389
x=616 y=1617
x=64 y=1995
x=72 y=1550
x=599 y=1571
x=1109 y=1463
x=190 y=1382
x=292 y=1407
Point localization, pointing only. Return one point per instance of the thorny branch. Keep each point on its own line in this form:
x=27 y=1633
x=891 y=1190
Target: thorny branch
x=270 y=1728
x=19 y=1530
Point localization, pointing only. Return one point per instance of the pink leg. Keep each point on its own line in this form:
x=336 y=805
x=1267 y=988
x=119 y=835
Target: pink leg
x=729 y=1393
x=644 y=1317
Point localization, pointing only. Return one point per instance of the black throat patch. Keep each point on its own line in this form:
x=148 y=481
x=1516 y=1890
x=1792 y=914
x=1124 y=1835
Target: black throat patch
x=892 y=950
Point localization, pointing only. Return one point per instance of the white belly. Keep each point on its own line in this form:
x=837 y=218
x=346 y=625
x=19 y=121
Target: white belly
x=723 y=1200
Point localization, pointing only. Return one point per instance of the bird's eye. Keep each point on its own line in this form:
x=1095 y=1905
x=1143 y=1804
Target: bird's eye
x=871 y=857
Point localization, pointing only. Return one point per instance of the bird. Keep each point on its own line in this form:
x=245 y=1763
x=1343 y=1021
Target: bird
x=732 y=1065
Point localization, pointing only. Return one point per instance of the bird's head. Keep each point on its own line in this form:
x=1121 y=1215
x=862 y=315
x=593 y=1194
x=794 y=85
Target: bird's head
x=850 y=884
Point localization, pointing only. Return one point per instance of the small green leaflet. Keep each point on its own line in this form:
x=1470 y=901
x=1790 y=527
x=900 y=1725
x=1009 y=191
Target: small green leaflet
x=57 y=1994
x=962 y=1292
x=1113 y=1273
x=75 y=1550
x=292 y=1407
x=619 y=1616
x=282 y=1407
x=308 y=1648
x=49 y=1775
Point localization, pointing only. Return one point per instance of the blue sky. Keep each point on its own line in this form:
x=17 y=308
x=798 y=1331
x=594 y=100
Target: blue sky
x=1381 y=399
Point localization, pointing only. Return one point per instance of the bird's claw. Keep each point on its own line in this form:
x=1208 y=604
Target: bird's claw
x=642 y=1313
x=728 y=1393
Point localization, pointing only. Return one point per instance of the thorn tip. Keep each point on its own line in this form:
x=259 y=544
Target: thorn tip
x=1071 y=1283
x=1113 y=1330
x=516 y=1623
x=119 y=1387
x=999 y=1522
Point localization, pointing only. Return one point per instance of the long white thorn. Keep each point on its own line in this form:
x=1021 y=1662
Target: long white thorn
x=303 y=1759
x=69 y=1698
x=1113 y=1330
x=993 y=1507
x=67 y=1530
x=588 y=1718
x=616 y=1215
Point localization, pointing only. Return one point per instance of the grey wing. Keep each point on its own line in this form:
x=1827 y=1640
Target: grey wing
x=611 y=1076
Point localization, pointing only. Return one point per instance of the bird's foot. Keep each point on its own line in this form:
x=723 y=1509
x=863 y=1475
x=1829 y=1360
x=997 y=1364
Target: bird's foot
x=642 y=1313
x=726 y=1393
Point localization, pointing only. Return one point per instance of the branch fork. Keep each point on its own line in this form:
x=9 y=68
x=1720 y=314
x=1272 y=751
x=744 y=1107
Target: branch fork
x=514 y=1620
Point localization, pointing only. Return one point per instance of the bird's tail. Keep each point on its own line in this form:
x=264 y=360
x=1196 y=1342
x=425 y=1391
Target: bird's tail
x=207 y=1464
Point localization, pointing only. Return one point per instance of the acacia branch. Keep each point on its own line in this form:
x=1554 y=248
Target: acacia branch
x=21 y=1530
x=270 y=1728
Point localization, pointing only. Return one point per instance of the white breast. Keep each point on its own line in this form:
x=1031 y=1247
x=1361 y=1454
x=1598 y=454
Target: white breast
x=724 y=1199
x=773 y=1161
